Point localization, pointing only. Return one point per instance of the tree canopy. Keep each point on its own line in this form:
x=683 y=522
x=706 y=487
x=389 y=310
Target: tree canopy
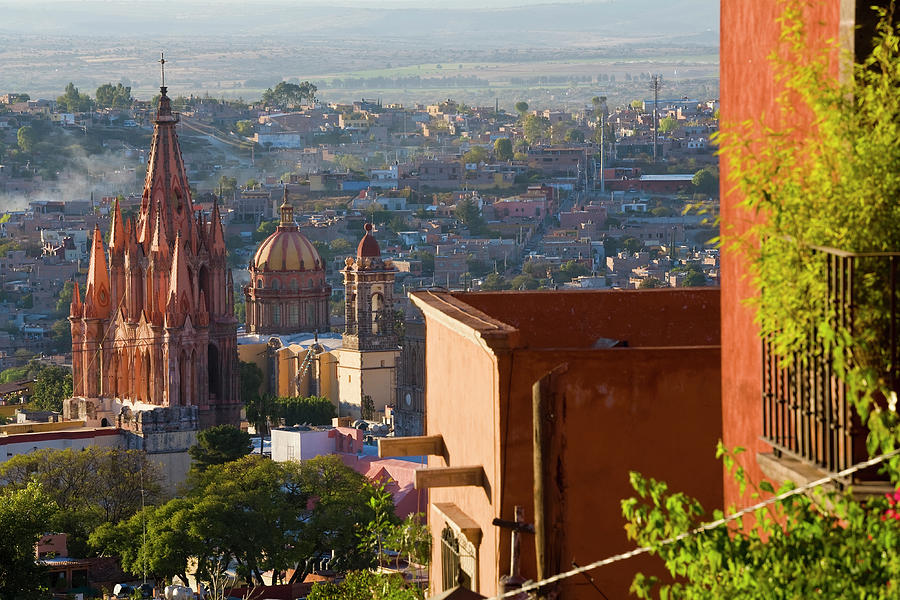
x=257 y=514
x=503 y=149
x=24 y=514
x=219 y=445
x=290 y=94
x=74 y=101
x=90 y=487
x=52 y=385
x=114 y=96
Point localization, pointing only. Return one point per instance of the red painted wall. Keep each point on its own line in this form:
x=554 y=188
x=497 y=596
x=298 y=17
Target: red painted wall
x=577 y=318
x=749 y=33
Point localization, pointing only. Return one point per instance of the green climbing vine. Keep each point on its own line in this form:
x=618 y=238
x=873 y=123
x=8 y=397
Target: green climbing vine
x=824 y=171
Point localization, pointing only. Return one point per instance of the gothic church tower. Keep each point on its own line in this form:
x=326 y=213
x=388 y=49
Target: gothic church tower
x=155 y=327
x=368 y=358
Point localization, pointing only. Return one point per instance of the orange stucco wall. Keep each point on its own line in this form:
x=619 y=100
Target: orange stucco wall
x=747 y=87
x=462 y=406
x=652 y=409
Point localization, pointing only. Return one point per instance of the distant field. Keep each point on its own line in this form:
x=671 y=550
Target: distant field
x=244 y=67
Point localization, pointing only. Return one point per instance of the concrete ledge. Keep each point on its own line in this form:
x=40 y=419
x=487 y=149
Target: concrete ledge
x=459 y=520
x=449 y=477
x=423 y=445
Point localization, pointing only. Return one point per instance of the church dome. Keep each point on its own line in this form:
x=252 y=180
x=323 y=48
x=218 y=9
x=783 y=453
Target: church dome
x=368 y=245
x=287 y=249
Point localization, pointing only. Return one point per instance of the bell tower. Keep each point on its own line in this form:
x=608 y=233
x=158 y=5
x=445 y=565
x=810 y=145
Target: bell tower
x=367 y=370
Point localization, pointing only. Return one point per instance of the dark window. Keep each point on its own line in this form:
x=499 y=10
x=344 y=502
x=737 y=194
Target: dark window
x=451 y=573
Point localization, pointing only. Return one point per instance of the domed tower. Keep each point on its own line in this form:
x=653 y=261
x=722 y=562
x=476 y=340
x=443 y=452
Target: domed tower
x=370 y=346
x=287 y=291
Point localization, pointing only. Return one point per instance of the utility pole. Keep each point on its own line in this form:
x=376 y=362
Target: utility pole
x=655 y=84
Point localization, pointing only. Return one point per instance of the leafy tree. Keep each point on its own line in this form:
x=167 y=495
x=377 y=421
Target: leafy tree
x=668 y=124
x=610 y=246
x=293 y=410
x=521 y=108
x=574 y=135
x=227 y=185
x=74 y=101
x=367 y=585
x=427 y=259
x=476 y=154
x=503 y=149
x=52 y=385
x=24 y=514
x=90 y=487
x=695 y=279
x=114 y=96
x=524 y=282
x=156 y=539
x=26 y=138
x=706 y=182
x=534 y=128
x=290 y=94
x=251 y=183
x=62 y=335
x=265 y=229
x=244 y=128
x=466 y=210
x=662 y=211
x=827 y=545
x=250 y=377
x=494 y=281
x=259 y=515
x=637 y=104
x=64 y=303
x=411 y=538
x=650 y=283
x=219 y=445
x=632 y=244
x=570 y=270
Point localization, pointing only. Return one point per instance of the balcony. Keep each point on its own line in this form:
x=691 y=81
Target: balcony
x=807 y=416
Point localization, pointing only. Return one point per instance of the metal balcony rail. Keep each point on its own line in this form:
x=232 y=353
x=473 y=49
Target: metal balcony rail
x=807 y=414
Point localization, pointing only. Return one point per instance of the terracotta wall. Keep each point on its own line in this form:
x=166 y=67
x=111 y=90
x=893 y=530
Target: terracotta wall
x=576 y=318
x=749 y=34
x=656 y=411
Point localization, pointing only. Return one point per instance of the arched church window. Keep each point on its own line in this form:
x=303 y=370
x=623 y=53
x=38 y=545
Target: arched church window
x=259 y=283
x=295 y=284
x=377 y=310
x=293 y=315
x=276 y=314
x=276 y=284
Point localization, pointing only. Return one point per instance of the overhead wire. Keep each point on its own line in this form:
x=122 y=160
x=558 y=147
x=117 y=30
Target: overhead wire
x=702 y=528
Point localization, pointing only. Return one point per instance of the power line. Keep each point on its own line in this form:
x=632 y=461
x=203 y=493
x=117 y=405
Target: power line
x=702 y=528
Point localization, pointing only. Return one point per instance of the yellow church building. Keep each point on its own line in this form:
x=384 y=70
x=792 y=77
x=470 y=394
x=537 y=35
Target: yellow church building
x=357 y=370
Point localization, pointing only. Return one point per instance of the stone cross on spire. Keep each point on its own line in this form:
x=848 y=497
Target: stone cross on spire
x=162 y=69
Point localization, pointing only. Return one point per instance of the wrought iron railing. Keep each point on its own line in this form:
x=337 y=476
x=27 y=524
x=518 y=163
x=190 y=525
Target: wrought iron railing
x=806 y=410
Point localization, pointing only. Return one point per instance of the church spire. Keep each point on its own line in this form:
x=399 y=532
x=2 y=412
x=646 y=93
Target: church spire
x=96 y=297
x=76 y=308
x=216 y=233
x=166 y=187
x=117 y=230
x=179 y=282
